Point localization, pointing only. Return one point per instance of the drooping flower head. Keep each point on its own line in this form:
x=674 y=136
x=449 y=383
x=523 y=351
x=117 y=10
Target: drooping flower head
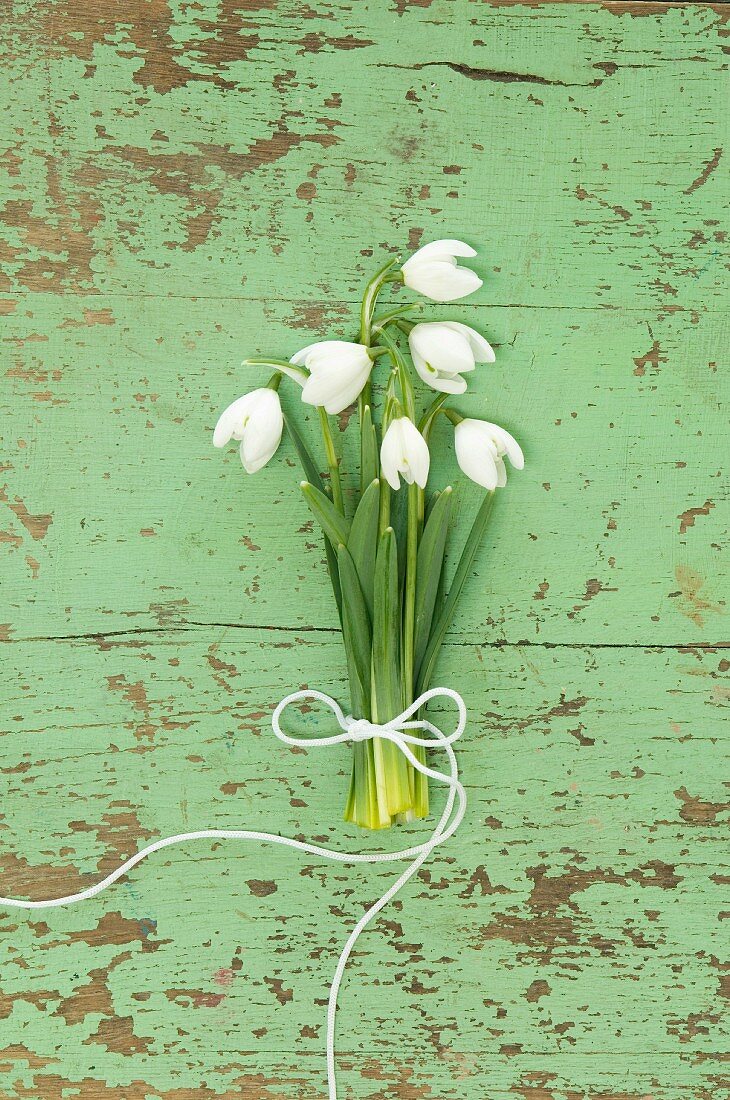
x=338 y=371
x=480 y=448
x=433 y=271
x=257 y=421
x=404 y=452
x=444 y=350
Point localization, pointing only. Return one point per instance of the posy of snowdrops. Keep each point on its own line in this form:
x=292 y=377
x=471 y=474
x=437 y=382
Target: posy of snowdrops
x=386 y=553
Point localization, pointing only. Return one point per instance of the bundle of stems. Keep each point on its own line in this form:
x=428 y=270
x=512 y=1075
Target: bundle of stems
x=386 y=552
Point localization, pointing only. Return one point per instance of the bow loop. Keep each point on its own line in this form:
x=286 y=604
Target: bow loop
x=362 y=729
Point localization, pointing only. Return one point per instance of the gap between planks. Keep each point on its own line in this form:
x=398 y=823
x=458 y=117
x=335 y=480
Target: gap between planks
x=354 y=303
x=334 y=631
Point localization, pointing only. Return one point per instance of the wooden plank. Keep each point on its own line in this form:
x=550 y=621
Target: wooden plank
x=254 y=151
x=589 y=838
x=117 y=512
x=187 y=184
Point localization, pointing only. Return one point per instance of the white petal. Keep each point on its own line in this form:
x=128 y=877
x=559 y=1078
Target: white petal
x=444 y=383
x=508 y=445
x=441 y=282
x=253 y=463
x=335 y=386
x=404 y=451
x=390 y=450
x=258 y=427
x=501 y=472
x=300 y=359
x=345 y=398
x=419 y=457
x=230 y=421
x=253 y=458
x=328 y=351
x=450 y=383
x=481 y=350
x=261 y=438
x=442 y=347
x=440 y=250
x=321 y=347
x=262 y=429
x=476 y=453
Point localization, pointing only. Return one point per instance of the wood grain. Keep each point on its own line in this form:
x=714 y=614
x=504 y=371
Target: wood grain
x=185 y=184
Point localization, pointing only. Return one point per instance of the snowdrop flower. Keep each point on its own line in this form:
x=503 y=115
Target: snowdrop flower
x=338 y=370
x=479 y=451
x=443 y=350
x=433 y=271
x=257 y=421
x=404 y=451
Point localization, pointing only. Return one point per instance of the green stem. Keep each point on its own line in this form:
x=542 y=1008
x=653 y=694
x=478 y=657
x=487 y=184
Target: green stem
x=281 y=365
x=409 y=595
x=369 y=299
x=404 y=378
x=367 y=309
x=332 y=461
x=453 y=416
x=428 y=419
x=380 y=323
x=417 y=781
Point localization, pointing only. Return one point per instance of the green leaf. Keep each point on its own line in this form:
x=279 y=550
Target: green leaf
x=312 y=474
x=356 y=632
x=399 y=523
x=369 y=467
x=428 y=572
x=387 y=629
x=363 y=540
x=432 y=502
x=447 y=612
x=333 y=523
x=308 y=465
x=391 y=767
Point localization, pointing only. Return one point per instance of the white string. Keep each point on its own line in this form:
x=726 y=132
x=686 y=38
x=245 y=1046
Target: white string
x=353 y=729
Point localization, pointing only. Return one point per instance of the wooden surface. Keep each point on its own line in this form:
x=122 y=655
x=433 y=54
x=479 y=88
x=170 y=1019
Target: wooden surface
x=188 y=183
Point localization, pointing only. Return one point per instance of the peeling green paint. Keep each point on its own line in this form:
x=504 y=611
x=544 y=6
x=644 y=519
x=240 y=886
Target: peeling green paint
x=186 y=184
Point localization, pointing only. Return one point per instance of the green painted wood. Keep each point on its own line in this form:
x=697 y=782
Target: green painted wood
x=613 y=532
x=556 y=933
x=187 y=184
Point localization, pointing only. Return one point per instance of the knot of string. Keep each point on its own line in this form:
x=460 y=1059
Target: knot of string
x=361 y=729
x=398 y=730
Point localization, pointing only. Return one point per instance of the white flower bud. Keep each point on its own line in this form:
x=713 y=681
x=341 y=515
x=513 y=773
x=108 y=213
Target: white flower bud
x=404 y=451
x=480 y=448
x=443 y=350
x=338 y=370
x=257 y=421
x=433 y=271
